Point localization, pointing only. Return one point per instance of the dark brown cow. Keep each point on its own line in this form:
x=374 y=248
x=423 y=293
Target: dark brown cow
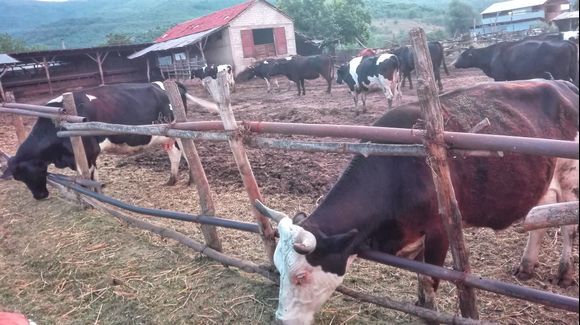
x=390 y=204
x=298 y=68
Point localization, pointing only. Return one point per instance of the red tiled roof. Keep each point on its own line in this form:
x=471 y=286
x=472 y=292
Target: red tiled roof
x=216 y=19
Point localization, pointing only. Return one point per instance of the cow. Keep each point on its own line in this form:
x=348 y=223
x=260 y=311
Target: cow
x=562 y=188
x=389 y=204
x=262 y=69
x=361 y=73
x=297 y=68
x=212 y=71
x=406 y=58
x=366 y=52
x=131 y=104
x=525 y=59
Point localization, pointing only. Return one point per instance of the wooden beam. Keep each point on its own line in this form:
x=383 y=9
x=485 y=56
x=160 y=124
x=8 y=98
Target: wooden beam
x=437 y=161
x=195 y=168
x=16 y=120
x=552 y=215
x=148 y=69
x=77 y=142
x=219 y=90
x=46 y=68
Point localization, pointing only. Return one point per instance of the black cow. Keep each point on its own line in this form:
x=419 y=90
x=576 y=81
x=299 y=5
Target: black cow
x=298 y=68
x=406 y=57
x=131 y=104
x=363 y=72
x=390 y=203
x=525 y=59
x=262 y=69
x=212 y=71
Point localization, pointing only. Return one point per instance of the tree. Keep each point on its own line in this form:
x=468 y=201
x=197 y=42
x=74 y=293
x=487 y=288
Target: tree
x=345 y=20
x=113 y=39
x=8 y=44
x=460 y=17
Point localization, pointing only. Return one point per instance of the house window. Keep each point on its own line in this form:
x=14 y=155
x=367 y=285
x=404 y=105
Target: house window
x=165 y=60
x=180 y=56
x=263 y=36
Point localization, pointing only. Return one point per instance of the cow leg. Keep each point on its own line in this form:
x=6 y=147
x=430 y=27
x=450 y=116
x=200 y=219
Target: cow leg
x=565 y=276
x=436 y=246
x=529 y=260
x=268 y=84
x=437 y=73
x=174 y=154
x=410 y=80
x=354 y=95
x=303 y=88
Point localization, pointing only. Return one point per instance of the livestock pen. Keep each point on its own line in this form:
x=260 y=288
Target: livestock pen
x=222 y=139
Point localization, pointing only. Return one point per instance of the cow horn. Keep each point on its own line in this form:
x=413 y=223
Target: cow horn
x=305 y=242
x=270 y=213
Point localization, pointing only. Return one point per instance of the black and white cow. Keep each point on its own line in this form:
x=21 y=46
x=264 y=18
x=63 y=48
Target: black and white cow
x=361 y=73
x=264 y=69
x=130 y=104
x=212 y=71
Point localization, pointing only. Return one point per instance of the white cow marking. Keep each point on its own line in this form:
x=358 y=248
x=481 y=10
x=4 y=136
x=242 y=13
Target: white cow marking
x=384 y=57
x=91 y=97
x=160 y=84
x=55 y=100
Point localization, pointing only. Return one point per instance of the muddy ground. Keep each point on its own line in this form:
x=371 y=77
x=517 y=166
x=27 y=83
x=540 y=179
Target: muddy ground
x=60 y=264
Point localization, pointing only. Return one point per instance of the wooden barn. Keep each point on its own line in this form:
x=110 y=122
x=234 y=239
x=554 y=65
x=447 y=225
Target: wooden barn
x=237 y=35
x=56 y=71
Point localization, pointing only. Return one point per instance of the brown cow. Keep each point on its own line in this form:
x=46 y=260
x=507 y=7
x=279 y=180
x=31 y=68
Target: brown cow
x=390 y=204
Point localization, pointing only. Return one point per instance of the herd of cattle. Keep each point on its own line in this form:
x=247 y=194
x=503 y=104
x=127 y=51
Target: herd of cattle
x=386 y=203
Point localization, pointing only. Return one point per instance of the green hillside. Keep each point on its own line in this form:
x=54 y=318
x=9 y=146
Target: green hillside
x=85 y=23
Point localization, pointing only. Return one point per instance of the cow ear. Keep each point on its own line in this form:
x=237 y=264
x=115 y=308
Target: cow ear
x=339 y=243
x=9 y=172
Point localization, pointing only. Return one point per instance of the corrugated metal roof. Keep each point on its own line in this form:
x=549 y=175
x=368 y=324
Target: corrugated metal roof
x=567 y=15
x=512 y=5
x=214 y=20
x=175 y=43
x=7 y=59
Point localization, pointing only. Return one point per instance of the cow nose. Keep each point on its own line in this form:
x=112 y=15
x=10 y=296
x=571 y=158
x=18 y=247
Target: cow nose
x=40 y=195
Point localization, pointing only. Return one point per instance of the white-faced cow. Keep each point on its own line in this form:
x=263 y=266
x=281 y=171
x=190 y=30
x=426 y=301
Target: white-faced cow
x=525 y=59
x=362 y=73
x=389 y=204
x=130 y=104
x=406 y=58
x=212 y=71
x=297 y=68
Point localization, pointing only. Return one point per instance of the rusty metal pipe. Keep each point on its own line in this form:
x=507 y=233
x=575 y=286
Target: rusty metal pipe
x=35 y=108
x=67 y=118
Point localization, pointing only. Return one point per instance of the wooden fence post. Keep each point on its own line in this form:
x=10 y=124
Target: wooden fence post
x=195 y=168
x=16 y=119
x=437 y=160
x=220 y=91
x=77 y=142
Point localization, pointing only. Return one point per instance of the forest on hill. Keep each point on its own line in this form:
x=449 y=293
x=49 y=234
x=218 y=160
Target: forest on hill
x=85 y=23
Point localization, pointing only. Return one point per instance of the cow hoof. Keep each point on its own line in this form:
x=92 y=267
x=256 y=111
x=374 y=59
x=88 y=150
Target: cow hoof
x=563 y=281
x=171 y=181
x=524 y=271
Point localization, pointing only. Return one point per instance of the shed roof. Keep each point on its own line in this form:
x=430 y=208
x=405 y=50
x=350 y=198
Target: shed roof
x=512 y=5
x=175 y=43
x=567 y=15
x=7 y=59
x=214 y=20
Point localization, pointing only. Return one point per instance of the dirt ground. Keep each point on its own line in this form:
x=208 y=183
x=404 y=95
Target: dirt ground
x=60 y=264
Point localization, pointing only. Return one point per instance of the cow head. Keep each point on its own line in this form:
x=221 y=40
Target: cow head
x=311 y=265
x=340 y=73
x=466 y=59
x=31 y=172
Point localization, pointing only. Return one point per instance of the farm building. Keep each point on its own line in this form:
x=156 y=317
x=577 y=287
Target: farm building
x=518 y=15
x=567 y=22
x=237 y=35
x=55 y=71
